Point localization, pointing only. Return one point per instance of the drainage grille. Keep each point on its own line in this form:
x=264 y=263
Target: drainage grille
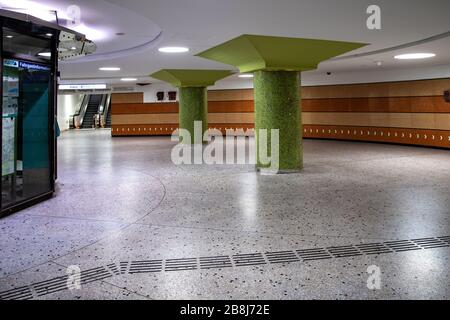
x=216 y=262
x=445 y=239
x=402 y=245
x=314 y=254
x=282 y=257
x=50 y=286
x=373 y=248
x=344 y=251
x=145 y=266
x=21 y=293
x=181 y=264
x=430 y=243
x=94 y=274
x=249 y=259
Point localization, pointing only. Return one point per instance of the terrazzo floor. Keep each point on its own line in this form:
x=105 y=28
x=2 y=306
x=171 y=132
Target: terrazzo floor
x=123 y=199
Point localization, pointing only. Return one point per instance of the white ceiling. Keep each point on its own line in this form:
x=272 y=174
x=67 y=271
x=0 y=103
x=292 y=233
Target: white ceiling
x=200 y=24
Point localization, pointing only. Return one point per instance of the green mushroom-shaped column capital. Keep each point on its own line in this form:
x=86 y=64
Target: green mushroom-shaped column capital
x=255 y=52
x=276 y=63
x=193 y=96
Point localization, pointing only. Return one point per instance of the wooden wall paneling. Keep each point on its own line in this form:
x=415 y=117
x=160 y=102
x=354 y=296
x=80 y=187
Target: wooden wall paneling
x=134 y=97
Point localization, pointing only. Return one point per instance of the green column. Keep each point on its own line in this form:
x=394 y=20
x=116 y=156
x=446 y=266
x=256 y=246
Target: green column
x=193 y=107
x=277 y=106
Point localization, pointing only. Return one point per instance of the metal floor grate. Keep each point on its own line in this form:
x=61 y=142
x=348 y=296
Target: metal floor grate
x=215 y=262
x=373 y=248
x=314 y=254
x=249 y=259
x=402 y=245
x=60 y=283
x=21 y=293
x=282 y=257
x=430 y=243
x=344 y=251
x=445 y=239
x=181 y=264
x=145 y=266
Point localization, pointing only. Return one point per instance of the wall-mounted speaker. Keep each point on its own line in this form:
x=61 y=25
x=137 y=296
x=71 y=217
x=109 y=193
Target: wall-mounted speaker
x=172 y=95
x=160 y=95
x=447 y=95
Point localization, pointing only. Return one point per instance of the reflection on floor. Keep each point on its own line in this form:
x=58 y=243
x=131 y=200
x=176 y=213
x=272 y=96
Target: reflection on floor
x=122 y=200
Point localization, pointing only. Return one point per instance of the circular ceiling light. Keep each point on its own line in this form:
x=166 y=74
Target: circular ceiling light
x=173 y=49
x=412 y=56
x=246 y=75
x=9 y=36
x=109 y=69
x=128 y=79
x=49 y=34
x=45 y=54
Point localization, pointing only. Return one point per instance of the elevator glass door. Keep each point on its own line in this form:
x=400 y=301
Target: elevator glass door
x=25 y=131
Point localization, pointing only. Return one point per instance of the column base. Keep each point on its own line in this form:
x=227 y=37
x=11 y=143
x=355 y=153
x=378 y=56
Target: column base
x=272 y=172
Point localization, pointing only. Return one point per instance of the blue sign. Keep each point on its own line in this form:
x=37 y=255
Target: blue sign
x=11 y=63
x=33 y=66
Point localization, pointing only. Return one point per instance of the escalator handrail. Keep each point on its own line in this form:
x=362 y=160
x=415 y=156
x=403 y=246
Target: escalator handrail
x=107 y=105
x=79 y=116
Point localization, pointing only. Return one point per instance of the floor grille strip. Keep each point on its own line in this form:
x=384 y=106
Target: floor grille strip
x=249 y=259
x=61 y=283
x=344 y=251
x=282 y=257
x=314 y=254
x=402 y=245
x=145 y=266
x=181 y=264
x=215 y=262
x=373 y=248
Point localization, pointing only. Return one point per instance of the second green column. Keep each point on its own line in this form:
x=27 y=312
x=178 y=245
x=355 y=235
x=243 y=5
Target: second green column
x=193 y=107
x=277 y=106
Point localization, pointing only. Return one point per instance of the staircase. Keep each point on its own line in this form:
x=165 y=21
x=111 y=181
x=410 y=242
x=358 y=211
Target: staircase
x=91 y=111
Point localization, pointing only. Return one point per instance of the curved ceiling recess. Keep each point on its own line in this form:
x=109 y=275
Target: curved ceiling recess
x=105 y=23
x=394 y=48
x=120 y=53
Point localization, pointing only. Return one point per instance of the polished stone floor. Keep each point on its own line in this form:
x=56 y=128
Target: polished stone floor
x=122 y=199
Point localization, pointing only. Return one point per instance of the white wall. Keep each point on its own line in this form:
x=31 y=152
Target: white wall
x=68 y=104
x=151 y=90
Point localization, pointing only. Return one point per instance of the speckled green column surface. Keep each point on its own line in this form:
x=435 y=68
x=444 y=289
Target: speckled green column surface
x=277 y=106
x=193 y=107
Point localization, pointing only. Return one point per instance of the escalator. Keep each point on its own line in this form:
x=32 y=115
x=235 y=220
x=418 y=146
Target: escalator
x=91 y=111
x=108 y=119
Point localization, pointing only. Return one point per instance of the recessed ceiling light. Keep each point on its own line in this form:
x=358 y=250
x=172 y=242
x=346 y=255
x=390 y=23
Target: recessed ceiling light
x=128 y=79
x=173 y=49
x=109 y=69
x=73 y=48
x=410 y=56
x=9 y=36
x=45 y=54
x=49 y=34
x=246 y=75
